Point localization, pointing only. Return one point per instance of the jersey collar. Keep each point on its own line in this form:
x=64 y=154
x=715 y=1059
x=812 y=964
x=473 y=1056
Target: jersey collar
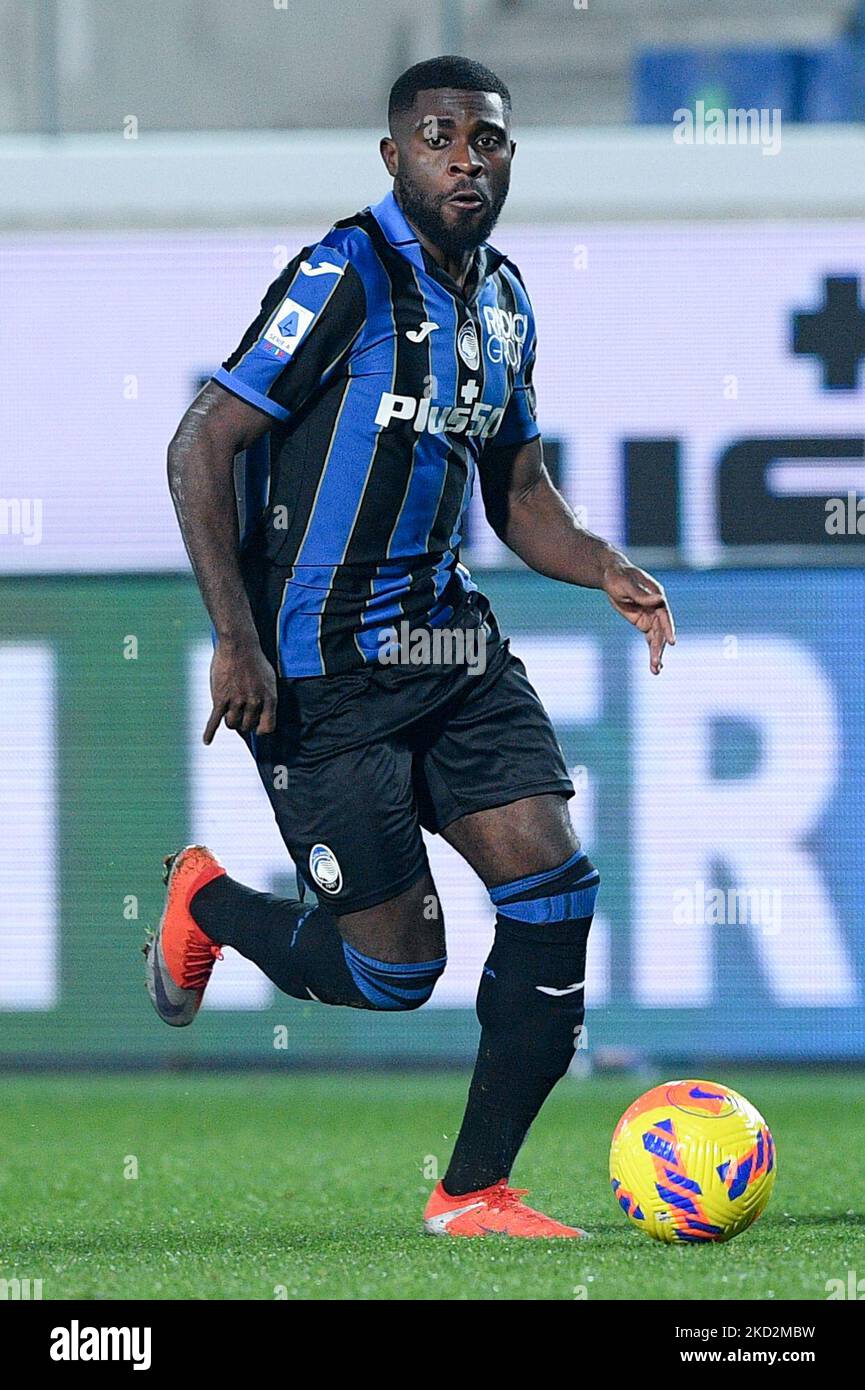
x=390 y=217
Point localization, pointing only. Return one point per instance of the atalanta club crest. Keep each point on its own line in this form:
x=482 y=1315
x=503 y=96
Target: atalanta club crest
x=325 y=870
x=467 y=346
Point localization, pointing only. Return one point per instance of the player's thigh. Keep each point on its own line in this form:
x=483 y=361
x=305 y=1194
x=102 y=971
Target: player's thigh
x=349 y=820
x=405 y=929
x=494 y=780
x=504 y=843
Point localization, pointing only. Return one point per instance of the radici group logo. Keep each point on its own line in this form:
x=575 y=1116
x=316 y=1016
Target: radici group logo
x=505 y=336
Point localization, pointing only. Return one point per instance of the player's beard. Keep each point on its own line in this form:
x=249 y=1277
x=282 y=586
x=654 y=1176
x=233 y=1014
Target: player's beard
x=425 y=213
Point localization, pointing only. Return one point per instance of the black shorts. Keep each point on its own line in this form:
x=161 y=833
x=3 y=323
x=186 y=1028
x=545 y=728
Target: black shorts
x=359 y=762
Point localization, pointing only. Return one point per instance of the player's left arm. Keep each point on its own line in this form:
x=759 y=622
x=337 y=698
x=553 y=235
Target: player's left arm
x=533 y=519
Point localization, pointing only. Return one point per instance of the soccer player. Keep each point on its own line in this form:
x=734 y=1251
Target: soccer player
x=389 y=363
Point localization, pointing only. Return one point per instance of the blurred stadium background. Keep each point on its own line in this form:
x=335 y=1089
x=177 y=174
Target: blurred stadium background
x=701 y=314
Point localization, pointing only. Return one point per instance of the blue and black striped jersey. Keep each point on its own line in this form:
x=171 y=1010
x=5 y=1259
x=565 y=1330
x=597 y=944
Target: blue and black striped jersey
x=384 y=380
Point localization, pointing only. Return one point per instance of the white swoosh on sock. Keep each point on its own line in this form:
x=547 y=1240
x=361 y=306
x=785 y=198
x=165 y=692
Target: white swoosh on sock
x=569 y=989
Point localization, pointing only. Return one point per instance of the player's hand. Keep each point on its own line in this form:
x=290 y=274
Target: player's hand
x=641 y=599
x=243 y=689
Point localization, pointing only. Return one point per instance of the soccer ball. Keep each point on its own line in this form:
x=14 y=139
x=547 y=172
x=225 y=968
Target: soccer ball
x=692 y=1161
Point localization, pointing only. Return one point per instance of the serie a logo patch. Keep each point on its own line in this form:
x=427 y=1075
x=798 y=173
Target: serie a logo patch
x=288 y=326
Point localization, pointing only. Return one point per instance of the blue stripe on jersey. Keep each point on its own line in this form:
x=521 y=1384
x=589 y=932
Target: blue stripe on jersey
x=298 y=622
x=443 y=573
x=414 y=524
x=446 y=370
x=346 y=470
x=411 y=534
x=388 y=590
x=341 y=488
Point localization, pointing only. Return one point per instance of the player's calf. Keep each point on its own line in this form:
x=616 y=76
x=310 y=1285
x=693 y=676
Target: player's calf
x=531 y=1006
x=537 y=967
x=301 y=949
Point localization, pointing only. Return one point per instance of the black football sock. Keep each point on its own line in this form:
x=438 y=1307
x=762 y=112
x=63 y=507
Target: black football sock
x=299 y=948
x=531 y=1008
x=296 y=944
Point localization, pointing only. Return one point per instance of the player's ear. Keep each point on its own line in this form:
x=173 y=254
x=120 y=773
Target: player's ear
x=390 y=154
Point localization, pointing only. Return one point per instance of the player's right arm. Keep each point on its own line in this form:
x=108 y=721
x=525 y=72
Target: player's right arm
x=201 y=477
x=309 y=320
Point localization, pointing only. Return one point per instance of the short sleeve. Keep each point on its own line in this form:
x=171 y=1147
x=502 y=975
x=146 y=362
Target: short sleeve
x=519 y=422
x=309 y=319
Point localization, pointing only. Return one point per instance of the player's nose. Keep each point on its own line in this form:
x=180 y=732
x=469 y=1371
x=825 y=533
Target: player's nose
x=464 y=160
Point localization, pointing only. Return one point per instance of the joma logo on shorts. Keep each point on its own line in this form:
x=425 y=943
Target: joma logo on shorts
x=479 y=420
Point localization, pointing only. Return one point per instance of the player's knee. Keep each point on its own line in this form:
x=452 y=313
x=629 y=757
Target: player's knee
x=393 y=986
x=565 y=894
x=537 y=965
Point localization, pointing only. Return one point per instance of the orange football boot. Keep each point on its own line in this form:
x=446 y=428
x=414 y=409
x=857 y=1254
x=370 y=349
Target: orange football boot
x=179 y=955
x=493 y=1211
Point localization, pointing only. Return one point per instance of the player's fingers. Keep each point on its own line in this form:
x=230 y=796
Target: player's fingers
x=646 y=597
x=214 y=721
x=633 y=593
x=233 y=716
x=267 y=719
x=670 y=626
x=657 y=641
x=251 y=712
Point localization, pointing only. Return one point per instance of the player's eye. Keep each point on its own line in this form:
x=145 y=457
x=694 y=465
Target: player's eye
x=437 y=142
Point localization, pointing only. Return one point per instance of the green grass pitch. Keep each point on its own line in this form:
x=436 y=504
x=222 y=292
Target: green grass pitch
x=311 y=1187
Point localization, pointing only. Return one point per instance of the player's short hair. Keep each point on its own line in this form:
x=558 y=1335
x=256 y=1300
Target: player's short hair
x=464 y=74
